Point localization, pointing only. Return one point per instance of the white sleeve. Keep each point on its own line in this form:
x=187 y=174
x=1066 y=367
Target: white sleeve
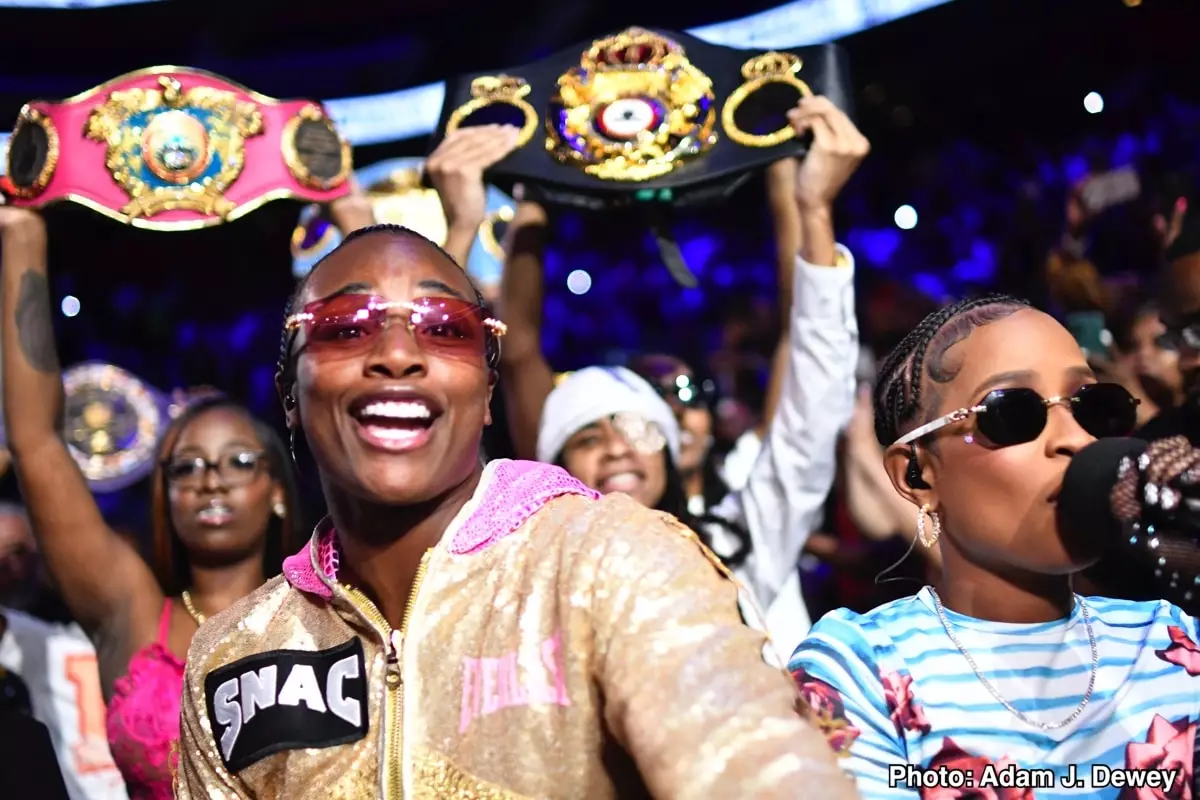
x=784 y=499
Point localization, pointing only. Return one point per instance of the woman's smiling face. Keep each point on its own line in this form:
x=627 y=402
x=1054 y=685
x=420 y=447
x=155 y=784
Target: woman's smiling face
x=395 y=416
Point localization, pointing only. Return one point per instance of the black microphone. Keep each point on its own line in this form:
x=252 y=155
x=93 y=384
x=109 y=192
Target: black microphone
x=1083 y=501
x=1142 y=501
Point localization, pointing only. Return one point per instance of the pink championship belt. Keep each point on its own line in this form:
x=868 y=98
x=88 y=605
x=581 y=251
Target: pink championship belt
x=172 y=148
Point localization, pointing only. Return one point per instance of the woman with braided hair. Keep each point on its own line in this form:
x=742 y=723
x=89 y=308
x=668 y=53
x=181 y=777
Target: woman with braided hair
x=1002 y=682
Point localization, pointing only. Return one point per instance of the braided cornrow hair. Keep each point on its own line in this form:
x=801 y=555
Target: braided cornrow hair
x=897 y=396
x=283 y=365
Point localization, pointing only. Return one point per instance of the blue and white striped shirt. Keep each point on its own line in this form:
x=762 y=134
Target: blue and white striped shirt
x=896 y=698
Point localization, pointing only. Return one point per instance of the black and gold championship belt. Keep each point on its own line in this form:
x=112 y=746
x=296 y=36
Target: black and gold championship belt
x=113 y=423
x=646 y=115
x=172 y=148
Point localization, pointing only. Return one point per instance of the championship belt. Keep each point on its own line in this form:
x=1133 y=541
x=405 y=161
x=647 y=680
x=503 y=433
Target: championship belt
x=172 y=148
x=113 y=423
x=646 y=115
x=398 y=196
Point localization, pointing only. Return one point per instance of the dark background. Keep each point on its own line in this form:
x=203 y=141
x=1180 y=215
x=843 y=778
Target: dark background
x=974 y=110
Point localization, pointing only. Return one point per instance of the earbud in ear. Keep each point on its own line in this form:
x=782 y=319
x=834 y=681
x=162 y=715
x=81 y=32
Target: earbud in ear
x=912 y=475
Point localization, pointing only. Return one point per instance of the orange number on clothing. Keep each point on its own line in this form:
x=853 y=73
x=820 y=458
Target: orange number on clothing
x=91 y=752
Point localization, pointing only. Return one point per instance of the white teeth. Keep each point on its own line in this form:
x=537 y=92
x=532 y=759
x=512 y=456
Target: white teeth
x=215 y=513
x=620 y=482
x=396 y=409
x=395 y=434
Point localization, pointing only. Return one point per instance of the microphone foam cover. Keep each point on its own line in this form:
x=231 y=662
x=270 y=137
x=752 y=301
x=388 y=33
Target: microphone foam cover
x=1083 y=503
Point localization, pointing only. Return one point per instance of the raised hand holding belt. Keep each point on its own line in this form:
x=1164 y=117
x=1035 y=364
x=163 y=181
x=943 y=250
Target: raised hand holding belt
x=646 y=117
x=646 y=109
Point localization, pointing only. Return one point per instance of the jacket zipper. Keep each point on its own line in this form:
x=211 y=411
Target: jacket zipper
x=393 y=710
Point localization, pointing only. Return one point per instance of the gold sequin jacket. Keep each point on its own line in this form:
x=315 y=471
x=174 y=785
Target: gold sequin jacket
x=559 y=645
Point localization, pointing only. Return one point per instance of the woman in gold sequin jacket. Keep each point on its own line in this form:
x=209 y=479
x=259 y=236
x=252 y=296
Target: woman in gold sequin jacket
x=456 y=630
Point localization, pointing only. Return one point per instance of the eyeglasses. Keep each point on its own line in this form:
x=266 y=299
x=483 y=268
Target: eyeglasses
x=234 y=469
x=685 y=391
x=1007 y=417
x=642 y=434
x=350 y=324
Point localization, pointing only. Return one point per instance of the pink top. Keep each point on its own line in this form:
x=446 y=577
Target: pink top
x=143 y=717
x=514 y=492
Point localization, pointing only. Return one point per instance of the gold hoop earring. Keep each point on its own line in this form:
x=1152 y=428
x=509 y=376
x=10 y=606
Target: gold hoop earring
x=927 y=539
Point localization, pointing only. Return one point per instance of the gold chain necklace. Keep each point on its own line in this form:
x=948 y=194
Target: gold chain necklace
x=191 y=609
